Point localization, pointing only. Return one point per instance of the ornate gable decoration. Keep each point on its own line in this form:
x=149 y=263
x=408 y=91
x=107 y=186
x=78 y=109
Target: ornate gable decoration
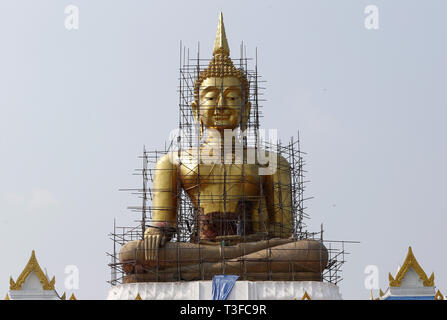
x=306 y=296
x=411 y=262
x=439 y=296
x=32 y=266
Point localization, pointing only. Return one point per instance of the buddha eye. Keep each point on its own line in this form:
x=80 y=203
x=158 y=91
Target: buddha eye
x=209 y=98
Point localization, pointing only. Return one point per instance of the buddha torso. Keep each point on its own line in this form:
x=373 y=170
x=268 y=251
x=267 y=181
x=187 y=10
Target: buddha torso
x=224 y=195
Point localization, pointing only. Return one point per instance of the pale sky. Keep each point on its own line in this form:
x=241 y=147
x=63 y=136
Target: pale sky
x=77 y=106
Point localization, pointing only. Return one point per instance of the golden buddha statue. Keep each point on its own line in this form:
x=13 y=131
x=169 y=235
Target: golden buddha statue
x=244 y=219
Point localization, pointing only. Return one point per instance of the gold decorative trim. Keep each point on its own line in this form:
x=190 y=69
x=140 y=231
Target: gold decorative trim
x=306 y=296
x=64 y=297
x=138 y=297
x=8 y=298
x=411 y=262
x=439 y=296
x=32 y=266
x=381 y=294
x=72 y=297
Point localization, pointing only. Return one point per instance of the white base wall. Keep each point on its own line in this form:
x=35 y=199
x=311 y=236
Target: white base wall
x=33 y=295
x=242 y=290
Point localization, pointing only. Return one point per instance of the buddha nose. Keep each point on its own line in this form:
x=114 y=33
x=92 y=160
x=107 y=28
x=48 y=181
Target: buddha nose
x=221 y=103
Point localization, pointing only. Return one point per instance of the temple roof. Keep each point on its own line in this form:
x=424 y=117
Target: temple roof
x=410 y=283
x=32 y=266
x=411 y=262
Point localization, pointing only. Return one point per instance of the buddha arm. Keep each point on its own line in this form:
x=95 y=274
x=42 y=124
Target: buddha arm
x=164 y=204
x=278 y=195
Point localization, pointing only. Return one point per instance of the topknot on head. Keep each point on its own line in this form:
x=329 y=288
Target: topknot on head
x=221 y=64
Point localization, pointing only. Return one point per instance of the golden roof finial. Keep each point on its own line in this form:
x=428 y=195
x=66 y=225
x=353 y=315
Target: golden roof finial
x=306 y=296
x=221 y=43
x=439 y=296
x=7 y=297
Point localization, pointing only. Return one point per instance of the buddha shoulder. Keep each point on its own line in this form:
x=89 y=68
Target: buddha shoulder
x=168 y=161
x=173 y=159
x=269 y=159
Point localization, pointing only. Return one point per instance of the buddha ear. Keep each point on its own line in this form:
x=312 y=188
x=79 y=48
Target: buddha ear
x=245 y=115
x=247 y=110
x=196 y=116
x=194 y=110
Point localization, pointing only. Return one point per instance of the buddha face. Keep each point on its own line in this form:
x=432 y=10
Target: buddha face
x=221 y=104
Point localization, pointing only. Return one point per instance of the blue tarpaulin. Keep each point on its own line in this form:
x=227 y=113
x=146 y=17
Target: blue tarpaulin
x=222 y=286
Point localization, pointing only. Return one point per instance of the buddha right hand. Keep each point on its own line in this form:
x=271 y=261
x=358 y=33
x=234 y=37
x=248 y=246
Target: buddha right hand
x=153 y=239
x=151 y=245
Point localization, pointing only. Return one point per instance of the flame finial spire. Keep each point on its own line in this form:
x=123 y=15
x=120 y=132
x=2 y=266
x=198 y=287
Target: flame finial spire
x=220 y=64
x=221 y=43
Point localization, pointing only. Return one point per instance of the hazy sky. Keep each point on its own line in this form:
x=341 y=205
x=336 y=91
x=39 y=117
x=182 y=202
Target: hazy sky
x=77 y=106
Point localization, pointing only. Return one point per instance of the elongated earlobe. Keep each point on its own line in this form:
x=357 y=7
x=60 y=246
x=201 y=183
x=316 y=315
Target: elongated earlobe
x=245 y=116
x=194 y=110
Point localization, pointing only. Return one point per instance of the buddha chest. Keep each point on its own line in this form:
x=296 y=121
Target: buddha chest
x=234 y=178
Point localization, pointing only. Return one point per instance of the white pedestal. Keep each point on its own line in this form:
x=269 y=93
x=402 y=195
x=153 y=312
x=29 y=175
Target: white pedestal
x=242 y=290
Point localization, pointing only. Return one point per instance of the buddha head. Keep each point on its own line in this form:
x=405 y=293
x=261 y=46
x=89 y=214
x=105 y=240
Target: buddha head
x=221 y=91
